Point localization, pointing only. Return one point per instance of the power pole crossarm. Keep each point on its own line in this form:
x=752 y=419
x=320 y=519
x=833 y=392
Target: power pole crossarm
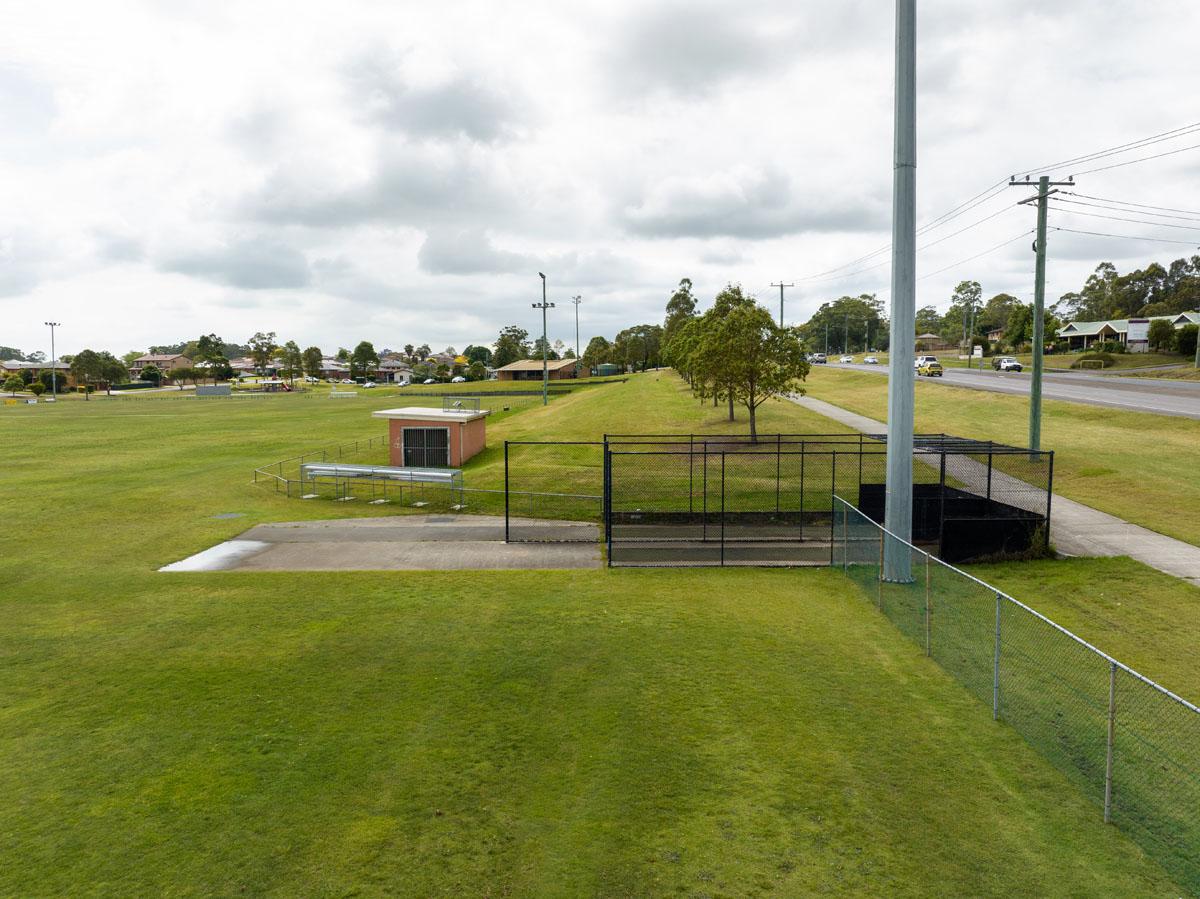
x=781 y=286
x=543 y=305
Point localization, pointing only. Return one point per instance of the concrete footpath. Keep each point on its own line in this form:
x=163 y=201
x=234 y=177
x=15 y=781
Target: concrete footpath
x=1075 y=529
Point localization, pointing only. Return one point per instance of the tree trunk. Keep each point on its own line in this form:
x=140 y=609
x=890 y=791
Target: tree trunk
x=731 y=405
x=753 y=428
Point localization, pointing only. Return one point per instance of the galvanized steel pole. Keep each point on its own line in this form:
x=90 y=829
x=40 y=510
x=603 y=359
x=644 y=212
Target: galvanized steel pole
x=898 y=504
x=1039 y=318
x=545 y=343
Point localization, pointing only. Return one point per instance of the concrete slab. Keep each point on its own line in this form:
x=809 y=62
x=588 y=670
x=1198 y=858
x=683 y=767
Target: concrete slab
x=401 y=543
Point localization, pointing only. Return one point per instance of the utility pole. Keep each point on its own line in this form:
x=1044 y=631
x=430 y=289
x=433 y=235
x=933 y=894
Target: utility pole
x=897 y=516
x=578 y=356
x=781 y=286
x=1039 y=300
x=543 y=305
x=53 y=361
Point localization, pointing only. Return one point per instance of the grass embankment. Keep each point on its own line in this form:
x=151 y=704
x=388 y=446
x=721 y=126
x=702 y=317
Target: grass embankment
x=1142 y=617
x=1138 y=466
x=600 y=732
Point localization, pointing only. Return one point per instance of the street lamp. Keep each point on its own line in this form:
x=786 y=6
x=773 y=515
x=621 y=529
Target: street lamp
x=53 y=361
x=543 y=305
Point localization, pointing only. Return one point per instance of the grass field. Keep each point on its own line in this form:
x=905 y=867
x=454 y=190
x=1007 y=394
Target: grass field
x=592 y=732
x=1099 y=453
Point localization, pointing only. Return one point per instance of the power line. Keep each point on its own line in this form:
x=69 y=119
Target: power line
x=1181 y=131
x=977 y=255
x=1117 y=165
x=1125 y=203
x=1108 y=208
x=1127 y=236
x=1118 y=218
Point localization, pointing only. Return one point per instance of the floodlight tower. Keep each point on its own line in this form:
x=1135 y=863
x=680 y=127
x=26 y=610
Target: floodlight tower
x=897 y=516
x=576 y=300
x=543 y=305
x=53 y=361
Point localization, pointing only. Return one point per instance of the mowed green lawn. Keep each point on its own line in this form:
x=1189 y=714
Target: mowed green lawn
x=742 y=732
x=1136 y=465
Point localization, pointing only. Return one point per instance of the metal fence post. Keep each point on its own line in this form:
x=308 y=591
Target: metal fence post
x=927 y=634
x=722 y=508
x=778 y=456
x=996 y=666
x=505 y=491
x=1112 y=727
x=832 y=498
x=942 y=505
x=989 y=479
x=1049 y=496
x=691 y=476
x=704 y=495
x=801 y=491
x=608 y=503
x=845 y=536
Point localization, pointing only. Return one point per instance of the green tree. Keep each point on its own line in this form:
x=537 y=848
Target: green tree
x=996 y=311
x=850 y=322
x=538 y=345
x=13 y=383
x=181 y=374
x=208 y=353
x=311 y=361
x=37 y=388
x=1162 y=335
x=598 y=352
x=408 y=352
x=929 y=320
x=960 y=322
x=130 y=356
x=681 y=307
x=262 y=349
x=476 y=371
x=87 y=368
x=292 y=358
x=1185 y=340
x=1018 y=329
x=53 y=380
x=152 y=373
x=364 y=359
x=478 y=354
x=511 y=345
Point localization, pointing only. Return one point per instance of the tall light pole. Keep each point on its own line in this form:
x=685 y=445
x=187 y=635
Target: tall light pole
x=897 y=516
x=543 y=305
x=578 y=356
x=53 y=361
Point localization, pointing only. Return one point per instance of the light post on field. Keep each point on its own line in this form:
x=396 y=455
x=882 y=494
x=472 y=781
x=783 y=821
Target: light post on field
x=577 y=300
x=543 y=305
x=53 y=361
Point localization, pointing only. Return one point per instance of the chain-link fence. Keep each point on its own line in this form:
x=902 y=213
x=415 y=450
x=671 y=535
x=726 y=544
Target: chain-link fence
x=1132 y=746
x=549 y=488
x=693 y=499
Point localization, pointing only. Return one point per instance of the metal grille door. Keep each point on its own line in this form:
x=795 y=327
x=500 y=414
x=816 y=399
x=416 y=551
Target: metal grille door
x=426 y=447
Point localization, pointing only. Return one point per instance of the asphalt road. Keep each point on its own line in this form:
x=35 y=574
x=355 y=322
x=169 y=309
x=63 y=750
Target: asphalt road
x=1157 y=395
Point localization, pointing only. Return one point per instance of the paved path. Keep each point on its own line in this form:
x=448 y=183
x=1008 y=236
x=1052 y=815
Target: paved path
x=400 y=543
x=1077 y=530
x=1162 y=396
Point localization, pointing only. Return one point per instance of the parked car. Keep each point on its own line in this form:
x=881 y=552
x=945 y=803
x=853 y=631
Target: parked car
x=819 y=358
x=846 y=359
x=1006 y=363
x=368 y=384
x=921 y=360
x=870 y=360
x=309 y=379
x=429 y=381
x=931 y=368
x=458 y=379
x=347 y=381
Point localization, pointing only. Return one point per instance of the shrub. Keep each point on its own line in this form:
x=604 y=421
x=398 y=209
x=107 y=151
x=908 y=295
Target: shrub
x=37 y=388
x=1106 y=358
x=1185 y=339
x=1109 y=346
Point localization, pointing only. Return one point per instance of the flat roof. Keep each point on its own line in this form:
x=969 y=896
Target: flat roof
x=428 y=413
x=536 y=365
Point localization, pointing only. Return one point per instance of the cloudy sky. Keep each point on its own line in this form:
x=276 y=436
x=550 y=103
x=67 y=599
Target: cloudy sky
x=400 y=171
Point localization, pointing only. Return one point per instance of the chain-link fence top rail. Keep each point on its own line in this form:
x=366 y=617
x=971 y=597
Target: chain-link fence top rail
x=1131 y=745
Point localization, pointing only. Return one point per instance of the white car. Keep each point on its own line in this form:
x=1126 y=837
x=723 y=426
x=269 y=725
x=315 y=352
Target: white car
x=921 y=360
x=429 y=381
x=458 y=379
x=368 y=384
x=311 y=380
x=870 y=360
x=846 y=359
x=347 y=381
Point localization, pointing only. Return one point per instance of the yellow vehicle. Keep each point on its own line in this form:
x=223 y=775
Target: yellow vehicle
x=930 y=369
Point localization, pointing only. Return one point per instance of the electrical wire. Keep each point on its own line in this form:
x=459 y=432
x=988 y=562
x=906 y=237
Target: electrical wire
x=1152 y=139
x=1118 y=218
x=1126 y=236
x=1058 y=198
x=978 y=255
x=1117 y=165
x=1125 y=203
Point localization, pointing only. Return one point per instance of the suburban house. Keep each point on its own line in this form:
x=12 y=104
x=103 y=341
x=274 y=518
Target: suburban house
x=394 y=371
x=11 y=367
x=931 y=341
x=995 y=335
x=164 y=362
x=531 y=370
x=1081 y=335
